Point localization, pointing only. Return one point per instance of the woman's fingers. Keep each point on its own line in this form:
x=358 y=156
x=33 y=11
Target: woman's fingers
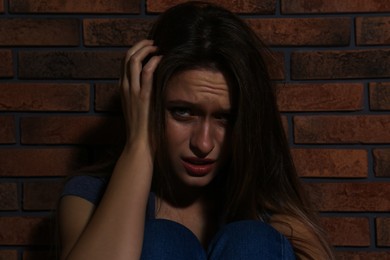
x=136 y=47
x=132 y=69
x=136 y=86
x=129 y=54
x=129 y=78
x=147 y=77
x=135 y=65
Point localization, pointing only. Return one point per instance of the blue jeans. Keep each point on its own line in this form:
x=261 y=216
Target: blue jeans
x=249 y=240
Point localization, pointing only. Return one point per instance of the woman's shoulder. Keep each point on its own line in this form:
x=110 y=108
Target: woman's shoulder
x=90 y=188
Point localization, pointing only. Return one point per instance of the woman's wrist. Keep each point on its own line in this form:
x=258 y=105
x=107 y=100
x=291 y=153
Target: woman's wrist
x=138 y=146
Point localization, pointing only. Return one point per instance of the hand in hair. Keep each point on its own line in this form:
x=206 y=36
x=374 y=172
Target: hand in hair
x=136 y=86
x=114 y=229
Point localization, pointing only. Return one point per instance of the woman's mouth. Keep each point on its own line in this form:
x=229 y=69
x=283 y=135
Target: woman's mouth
x=198 y=167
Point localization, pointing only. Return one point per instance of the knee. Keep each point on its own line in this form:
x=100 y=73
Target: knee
x=165 y=239
x=254 y=239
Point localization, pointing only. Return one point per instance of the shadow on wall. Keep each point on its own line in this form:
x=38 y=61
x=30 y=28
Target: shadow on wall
x=98 y=140
x=44 y=239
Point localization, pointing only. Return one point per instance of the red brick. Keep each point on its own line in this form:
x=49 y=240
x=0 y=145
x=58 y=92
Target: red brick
x=320 y=97
x=71 y=130
x=8 y=255
x=361 y=255
x=334 y=6
x=70 y=64
x=382 y=162
x=342 y=129
x=347 y=231
x=6 y=64
x=355 y=197
x=249 y=6
x=41 y=162
x=49 y=32
x=285 y=126
x=275 y=63
x=94 y=65
x=302 y=31
x=107 y=97
x=44 y=97
x=25 y=231
x=380 y=96
x=115 y=32
x=7 y=130
x=42 y=195
x=74 y=6
x=335 y=163
x=372 y=30
x=8 y=196
x=383 y=231
x=350 y=64
x=1 y=11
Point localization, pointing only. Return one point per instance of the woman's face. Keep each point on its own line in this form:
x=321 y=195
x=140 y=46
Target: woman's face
x=197 y=112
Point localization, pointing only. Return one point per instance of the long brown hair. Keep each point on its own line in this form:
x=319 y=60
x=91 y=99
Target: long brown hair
x=262 y=178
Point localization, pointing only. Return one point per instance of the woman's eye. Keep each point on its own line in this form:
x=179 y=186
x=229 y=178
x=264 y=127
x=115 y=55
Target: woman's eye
x=180 y=112
x=223 y=118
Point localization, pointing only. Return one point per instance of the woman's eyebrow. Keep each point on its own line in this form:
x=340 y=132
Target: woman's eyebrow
x=194 y=106
x=182 y=103
x=179 y=102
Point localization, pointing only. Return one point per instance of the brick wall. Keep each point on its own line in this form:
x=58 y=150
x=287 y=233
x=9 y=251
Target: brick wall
x=59 y=64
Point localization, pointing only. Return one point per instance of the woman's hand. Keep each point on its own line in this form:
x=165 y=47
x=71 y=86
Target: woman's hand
x=136 y=87
x=115 y=227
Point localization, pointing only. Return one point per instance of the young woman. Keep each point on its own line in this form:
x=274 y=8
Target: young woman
x=205 y=172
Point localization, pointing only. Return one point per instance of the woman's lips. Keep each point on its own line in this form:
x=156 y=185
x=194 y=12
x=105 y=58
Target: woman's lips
x=197 y=166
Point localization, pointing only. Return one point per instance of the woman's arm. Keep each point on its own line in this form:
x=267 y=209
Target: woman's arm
x=114 y=230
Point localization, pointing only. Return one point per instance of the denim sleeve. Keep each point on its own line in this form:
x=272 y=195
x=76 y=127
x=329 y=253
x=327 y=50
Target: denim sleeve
x=87 y=187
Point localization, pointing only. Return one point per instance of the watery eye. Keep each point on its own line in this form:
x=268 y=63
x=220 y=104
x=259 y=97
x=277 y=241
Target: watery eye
x=223 y=118
x=180 y=112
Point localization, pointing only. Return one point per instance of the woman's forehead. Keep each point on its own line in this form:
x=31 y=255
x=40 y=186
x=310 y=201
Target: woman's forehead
x=199 y=86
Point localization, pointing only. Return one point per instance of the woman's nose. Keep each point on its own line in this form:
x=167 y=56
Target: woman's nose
x=202 y=142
